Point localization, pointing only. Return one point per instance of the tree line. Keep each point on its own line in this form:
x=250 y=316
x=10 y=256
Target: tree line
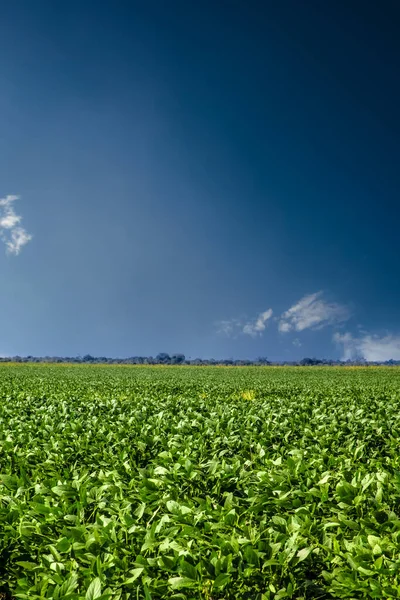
x=163 y=358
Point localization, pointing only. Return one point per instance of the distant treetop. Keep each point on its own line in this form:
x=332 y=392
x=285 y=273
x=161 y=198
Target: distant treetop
x=163 y=358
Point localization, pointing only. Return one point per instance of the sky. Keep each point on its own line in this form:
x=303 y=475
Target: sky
x=217 y=179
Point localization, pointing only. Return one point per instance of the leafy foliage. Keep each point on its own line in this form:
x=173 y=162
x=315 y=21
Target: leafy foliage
x=189 y=483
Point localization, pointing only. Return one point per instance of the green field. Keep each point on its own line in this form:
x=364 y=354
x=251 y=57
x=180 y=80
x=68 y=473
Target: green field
x=185 y=482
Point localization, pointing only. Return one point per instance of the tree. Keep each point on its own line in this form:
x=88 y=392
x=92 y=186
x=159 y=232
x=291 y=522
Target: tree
x=163 y=358
x=308 y=362
x=177 y=359
x=262 y=360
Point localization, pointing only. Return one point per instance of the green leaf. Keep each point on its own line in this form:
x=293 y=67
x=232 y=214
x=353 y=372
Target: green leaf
x=181 y=582
x=303 y=554
x=147 y=594
x=324 y=479
x=63 y=545
x=177 y=509
x=188 y=570
x=140 y=510
x=69 y=586
x=135 y=574
x=94 y=590
x=373 y=540
x=9 y=481
x=42 y=509
x=331 y=524
x=251 y=555
x=221 y=581
x=29 y=566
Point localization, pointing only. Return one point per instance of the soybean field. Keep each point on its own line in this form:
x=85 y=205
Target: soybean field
x=253 y=483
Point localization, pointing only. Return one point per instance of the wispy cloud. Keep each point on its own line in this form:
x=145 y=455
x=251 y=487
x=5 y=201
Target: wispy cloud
x=253 y=327
x=11 y=233
x=370 y=347
x=228 y=327
x=312 y=312
x=256 y=327
x=296 y=342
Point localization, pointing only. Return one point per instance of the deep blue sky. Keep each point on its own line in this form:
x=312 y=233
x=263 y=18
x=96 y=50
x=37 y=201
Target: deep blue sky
x=185 y=164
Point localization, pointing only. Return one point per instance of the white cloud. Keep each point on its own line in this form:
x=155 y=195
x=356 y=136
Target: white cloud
x=228 y=327
x=371 y=347
x=296 y=342
x=9 y=221
x=13 y=235
x=256 y=327
x=312 y=312
x=19 y=237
